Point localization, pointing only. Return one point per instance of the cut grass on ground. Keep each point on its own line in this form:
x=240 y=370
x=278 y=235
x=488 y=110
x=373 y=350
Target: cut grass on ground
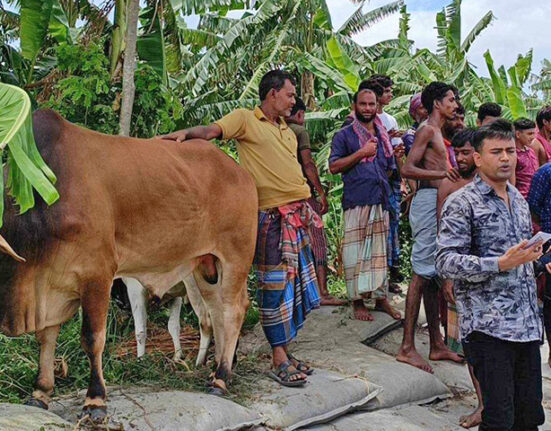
x=19 y=362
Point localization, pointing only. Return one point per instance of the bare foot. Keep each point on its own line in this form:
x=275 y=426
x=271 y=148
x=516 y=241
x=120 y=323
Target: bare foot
x=442 y=353
x=415 y=359
x=384 y=305
x=331 y=300
x=360 y=311
x=472 y=420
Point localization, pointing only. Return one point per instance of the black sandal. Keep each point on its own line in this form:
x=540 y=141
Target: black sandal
x=301 y=366
x=283 y=376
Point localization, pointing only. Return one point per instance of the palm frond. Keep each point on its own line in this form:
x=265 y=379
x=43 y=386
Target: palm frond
x=479 y=27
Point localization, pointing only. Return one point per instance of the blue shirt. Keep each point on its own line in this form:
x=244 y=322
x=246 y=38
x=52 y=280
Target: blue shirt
x=476 y=228
x=366 y=183
x=409 y=137
x=539 y=197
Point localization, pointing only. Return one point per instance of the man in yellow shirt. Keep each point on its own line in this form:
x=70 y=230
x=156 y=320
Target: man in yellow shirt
x=267 y=149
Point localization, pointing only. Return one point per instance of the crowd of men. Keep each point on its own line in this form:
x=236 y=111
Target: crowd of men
x=474 y=198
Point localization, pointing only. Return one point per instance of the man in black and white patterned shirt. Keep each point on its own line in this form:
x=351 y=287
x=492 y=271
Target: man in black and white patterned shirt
x=483 y=247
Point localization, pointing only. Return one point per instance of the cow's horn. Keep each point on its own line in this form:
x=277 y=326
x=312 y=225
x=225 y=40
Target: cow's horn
x=6 y=248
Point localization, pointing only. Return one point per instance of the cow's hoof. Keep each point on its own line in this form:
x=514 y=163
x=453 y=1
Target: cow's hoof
x=97 y=414
x=219 y=392
x=35 y=402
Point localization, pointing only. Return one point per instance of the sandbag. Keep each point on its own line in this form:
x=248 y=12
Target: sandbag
x=17 y=417
x=413 y=418
x=141 y=409
x=327 y=395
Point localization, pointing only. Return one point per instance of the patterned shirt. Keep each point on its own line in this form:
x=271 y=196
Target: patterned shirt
x=476 y=228
x=540 y=196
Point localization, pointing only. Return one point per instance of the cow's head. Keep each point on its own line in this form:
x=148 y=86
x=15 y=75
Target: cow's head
x=6 y=248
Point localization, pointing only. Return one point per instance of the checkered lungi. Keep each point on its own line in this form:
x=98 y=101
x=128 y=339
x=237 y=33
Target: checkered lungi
x=288 y=288
x=365 y=251
x=452 y=336
x=317 y=237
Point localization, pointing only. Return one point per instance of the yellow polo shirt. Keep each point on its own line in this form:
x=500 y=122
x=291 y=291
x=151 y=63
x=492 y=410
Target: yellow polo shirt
x=269 y=153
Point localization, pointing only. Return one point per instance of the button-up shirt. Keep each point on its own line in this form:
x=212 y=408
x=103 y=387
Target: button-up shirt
x=365 y=183
x=539 y=197
x=477 y=228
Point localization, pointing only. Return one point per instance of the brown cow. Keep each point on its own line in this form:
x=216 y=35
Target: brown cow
x=149 y=209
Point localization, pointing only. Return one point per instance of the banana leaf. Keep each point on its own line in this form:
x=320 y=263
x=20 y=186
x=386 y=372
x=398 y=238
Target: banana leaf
x=35 y=18
x=26 y=168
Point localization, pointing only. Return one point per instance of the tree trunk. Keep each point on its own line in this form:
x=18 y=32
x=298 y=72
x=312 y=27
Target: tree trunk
x=307 y=90
x=129 y=67
x=117 y=38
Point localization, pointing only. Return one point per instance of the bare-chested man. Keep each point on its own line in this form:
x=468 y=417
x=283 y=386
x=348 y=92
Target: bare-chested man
x=464 y=155
x=428 y=162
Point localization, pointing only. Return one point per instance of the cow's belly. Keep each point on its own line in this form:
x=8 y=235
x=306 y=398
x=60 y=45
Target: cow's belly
x=161 y=280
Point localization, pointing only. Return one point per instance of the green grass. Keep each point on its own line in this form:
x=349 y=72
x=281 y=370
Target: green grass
x=19 y=361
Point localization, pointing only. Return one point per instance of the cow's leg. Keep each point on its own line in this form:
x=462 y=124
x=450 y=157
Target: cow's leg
x=44 y=385
x=138 y=303
x=234 y=305
x=212 y=300
x=200 y=309
x=95 y=304
x=174 y=326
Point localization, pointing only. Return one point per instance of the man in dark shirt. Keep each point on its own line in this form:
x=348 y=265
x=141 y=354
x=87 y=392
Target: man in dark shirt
x=320 y=205
x=363 y=154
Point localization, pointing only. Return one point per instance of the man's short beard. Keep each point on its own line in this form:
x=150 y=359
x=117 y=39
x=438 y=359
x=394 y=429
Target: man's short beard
x=468 y=173
x=363 y=119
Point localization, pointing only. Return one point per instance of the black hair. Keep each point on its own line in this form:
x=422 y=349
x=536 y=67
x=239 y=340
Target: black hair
x=434 y=91
x=460 y=109
x=299 y=106
x=499 y=129
x=462 y=138
x=383 y=80
x=543 y=114
x=373 y=85
x=274 y=79
x=361 y=90
x=524 y=124
x=489 y=109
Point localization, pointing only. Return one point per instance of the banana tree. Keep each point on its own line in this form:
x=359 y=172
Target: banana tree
x=25 y=167
x=508 y=87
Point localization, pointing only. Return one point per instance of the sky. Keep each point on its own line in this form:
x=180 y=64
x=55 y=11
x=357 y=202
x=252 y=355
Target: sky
x=518 y=26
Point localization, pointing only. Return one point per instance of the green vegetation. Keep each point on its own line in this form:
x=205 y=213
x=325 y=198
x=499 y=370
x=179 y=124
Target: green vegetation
x=68 y=55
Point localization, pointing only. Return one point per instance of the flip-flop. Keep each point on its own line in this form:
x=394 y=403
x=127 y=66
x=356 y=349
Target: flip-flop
x=301 y=366
x=282 y=375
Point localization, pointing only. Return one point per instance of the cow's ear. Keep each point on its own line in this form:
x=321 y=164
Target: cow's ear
x=6 y=248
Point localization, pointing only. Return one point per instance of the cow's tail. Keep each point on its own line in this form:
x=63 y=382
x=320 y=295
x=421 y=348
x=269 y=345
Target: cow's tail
x=6 y=248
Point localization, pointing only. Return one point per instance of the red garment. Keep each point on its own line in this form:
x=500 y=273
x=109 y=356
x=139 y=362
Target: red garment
x=527 y=165
x=546 y=144
x=450 y=155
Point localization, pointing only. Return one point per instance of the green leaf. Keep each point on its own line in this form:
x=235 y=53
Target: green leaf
x=359 y=20
x=346 y=66
x=35 y=18
x=27 y=169
x=151 y=45
x=498 y=84
x=59 y=26
x=322 y=19
x=476 y=30
x=516 y=103
x=523 y=67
